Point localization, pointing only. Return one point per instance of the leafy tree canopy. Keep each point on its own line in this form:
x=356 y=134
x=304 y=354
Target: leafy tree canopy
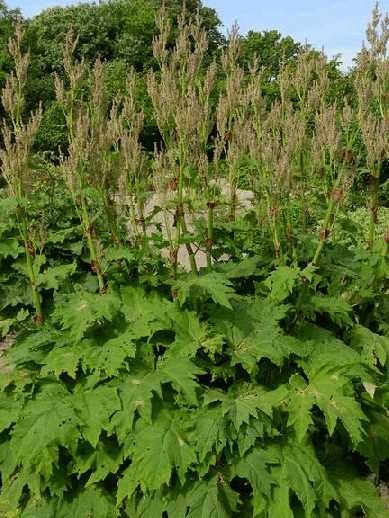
x=271 y=49
x=8 y=19
x=113 y=29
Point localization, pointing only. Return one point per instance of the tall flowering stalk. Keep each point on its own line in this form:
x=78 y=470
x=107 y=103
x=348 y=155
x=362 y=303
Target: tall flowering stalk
x=104 y=137
x=180 y=99
x=89 y=167
x=372 y=86
x=18 y=138
x=132 y=180
x=231 y=116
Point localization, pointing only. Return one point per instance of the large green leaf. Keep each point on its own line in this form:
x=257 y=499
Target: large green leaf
x=298 y=471
x=90 y=502
x=374 y=348
x=326 y=390
x=253 y=332
x=49 y=422
x=159 y=448
x=181 y=374
x=281 y=282
x=212 y=498
x=55 y=276
x=136 y=393
x=209 y=435
x=336 y=308
x=146 y=312
x=355 y=493
x=214 y=286
x=101 y=462
x=95 y=408
x=81 y=311
x=9 y=247
x=10 y=407
x=254 y=468
x=245 y=401
x=107 y=359
x=110 y=357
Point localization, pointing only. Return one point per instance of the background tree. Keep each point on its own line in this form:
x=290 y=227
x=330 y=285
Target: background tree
x=271 y=48
x=8 y=19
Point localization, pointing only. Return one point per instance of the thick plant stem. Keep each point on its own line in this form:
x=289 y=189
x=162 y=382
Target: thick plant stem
x=94 y=260
x=385 y=248
x=30 y=255
x=324 y=232
x=141 y=218
x=328 y=220
x=180 y=214
x=274 y=210
x=172 y=248
x=210 y=234
x=182 y=224
x=111 y=219
x=133 y=219
x=373 y=187
x=233 y=202
x=31 y=274
x=277 y=243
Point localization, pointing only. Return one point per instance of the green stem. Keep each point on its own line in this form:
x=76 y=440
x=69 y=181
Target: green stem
x=94 y=260
x=273 y=214
x=210 y=233
x=180 y=214
x=328 y=220
x=35 y=291
x=374 y=181
x=24 y=234
x=111 y=219
x=141 y=219
x=277 y=242
x=233 y=200
x=172 y=247
x=386 y=244
x=133 y=218
x=192 y=258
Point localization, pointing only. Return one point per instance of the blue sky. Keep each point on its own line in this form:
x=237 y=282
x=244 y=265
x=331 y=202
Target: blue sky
x=337 y=25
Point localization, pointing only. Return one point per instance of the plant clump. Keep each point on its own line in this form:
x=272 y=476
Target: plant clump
x=201 y=329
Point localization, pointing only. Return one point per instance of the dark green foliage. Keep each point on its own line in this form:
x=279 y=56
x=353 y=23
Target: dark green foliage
x=52 y=135
x=113 y=29
x=271 y=49
x=8 y=19
x=216 y=404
